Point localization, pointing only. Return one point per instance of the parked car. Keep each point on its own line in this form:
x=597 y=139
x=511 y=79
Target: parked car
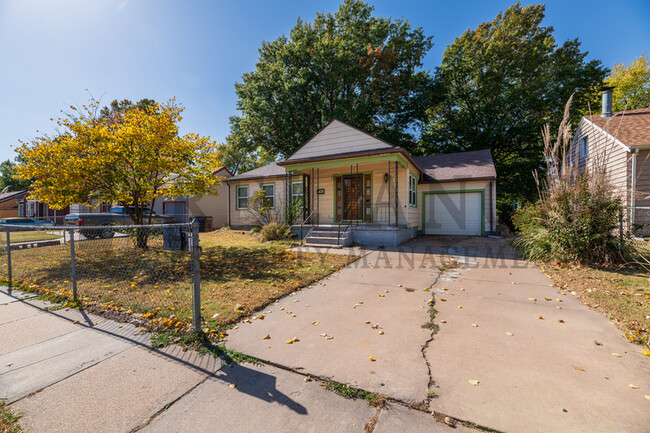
x=116 y=216
x=19 y=221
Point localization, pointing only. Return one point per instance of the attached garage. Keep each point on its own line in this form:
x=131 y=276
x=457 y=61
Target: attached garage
x=459 y=213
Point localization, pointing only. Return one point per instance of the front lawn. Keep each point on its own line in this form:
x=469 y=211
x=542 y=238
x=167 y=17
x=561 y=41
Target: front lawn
x=239 y=275
x=621 y=294
x=31 y=236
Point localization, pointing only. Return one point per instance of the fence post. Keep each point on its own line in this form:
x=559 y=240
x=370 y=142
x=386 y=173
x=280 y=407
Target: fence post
x=9 y=261
x=73 y=269
x=196 y=277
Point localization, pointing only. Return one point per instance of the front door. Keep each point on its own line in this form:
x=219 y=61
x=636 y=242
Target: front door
x=352 y=197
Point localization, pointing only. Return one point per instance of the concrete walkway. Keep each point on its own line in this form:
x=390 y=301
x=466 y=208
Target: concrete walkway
x=64 y=370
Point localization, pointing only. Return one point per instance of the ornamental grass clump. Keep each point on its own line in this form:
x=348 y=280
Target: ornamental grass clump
x=577 y=216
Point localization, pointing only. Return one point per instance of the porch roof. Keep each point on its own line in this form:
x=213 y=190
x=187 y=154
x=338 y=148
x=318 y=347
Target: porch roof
x=394 y=153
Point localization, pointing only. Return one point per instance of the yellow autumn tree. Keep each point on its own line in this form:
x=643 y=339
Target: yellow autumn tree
x=631 y=84
x=132 y=157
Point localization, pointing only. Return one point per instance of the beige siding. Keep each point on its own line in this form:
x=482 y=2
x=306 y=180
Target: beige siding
x=603 y=149
x=243 y=217
x=337 y=138
x=490 y=207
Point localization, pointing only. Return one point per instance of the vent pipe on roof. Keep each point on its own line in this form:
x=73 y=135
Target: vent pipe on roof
x=607 y=102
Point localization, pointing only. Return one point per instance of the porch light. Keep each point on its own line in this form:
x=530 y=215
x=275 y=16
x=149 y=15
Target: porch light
x=385 y=177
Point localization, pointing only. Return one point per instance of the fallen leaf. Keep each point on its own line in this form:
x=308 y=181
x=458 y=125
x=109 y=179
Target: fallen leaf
x=443 y=299
x=633 y=386
x=548 y=299
x=75 y=322
x=473 y=382
x=459 y=306
x=540 y=317
x=307 y=379
x=9 y=364
x=510 y=334
x=261 y=317
x=371 y=359
x=289 y=341
x=475 y=325
x=381 y=296
x=646 y=352
x=215 y=315
x=450 y=421
x=462 y=289
x=616 y=355
x=532 y=299
x=266 y=337
x=443 y=321
x=381 y=332
x=561 y=321
x=315 y=322
x=598 y=343
x=426 y=289
x=367 y=322
x=578 y=368
x=328 y=337
x=647 y=397
x=232 y=386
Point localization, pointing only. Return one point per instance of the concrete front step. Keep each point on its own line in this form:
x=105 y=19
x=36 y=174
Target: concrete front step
x=314 y=245
x=325 y=241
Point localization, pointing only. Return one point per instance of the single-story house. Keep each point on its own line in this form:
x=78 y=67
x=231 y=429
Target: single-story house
x=357 y=188
x=214 y=205
x=621 y=142
x=10 y=203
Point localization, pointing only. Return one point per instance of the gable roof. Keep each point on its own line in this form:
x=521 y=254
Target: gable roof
x=631 y=128
x=12 y=194
x=474 y=165
x=336 y=138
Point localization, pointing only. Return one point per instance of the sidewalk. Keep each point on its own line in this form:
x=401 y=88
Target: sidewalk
x=65 y=370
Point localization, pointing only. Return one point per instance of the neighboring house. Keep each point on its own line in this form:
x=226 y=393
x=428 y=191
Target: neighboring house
x=10 y=203
x=35 y=209
x=621 y=142
x=214 y=205
x=373 y=191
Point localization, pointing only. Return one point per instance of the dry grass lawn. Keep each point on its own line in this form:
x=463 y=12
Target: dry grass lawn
x=621 y=294
x=17 y=237
x=239 y=275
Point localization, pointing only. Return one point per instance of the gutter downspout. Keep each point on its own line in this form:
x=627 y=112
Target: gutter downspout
x=228 y=204
x=633 y=189
x=491 y=210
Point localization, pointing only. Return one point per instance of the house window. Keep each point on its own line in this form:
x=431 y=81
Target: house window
x=296 y=191
x=584 y=146
x=413 y=191
x=242 y=197
x=269 y=198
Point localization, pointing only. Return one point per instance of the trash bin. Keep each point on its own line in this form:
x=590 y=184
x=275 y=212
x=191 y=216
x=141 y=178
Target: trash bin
x=208 y=224
x=174 y=239
x=201 y=221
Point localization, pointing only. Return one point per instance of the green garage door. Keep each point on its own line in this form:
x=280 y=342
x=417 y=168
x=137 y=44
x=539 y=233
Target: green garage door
x=456 y=213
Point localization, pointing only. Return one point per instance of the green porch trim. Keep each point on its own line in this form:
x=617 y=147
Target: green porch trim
x=458 y=191
x=350 y=161
x=372 y=197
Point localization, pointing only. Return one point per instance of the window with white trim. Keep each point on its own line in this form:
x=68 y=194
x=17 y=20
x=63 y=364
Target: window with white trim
x=242 y=197
x=296 y=191
x=413 y=191
x=584 y=146
x=269 y=197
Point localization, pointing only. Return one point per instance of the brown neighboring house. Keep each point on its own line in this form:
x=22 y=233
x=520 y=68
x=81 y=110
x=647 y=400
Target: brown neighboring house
x=620 y=141
x=10 y=203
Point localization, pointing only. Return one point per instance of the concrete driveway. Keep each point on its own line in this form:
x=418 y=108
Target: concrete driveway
x=554 y=373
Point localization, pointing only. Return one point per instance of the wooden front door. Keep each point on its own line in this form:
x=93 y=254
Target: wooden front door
x=354 y=197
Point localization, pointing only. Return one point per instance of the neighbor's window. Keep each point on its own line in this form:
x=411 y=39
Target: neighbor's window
x=584 y=146
x=269 y=198
x=296 y=191
x=242 y=197
x=413 y=191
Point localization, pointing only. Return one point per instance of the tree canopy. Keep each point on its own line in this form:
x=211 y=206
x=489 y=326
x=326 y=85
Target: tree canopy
x=350 y=65
x=631 y=84
x=132 y=156
x=499 y=84
x=7 y=173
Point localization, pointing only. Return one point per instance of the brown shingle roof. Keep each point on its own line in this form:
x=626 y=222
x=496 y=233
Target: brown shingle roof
x=473 y=165
x=631 y=128
x=269 y=170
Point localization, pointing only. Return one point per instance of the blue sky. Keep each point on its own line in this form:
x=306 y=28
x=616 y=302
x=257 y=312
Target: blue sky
x=51 y=51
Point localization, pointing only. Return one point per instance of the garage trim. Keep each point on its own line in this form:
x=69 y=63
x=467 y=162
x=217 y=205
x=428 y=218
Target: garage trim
x=459 y=191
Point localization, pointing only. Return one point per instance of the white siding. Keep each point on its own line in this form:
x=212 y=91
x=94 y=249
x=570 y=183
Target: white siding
x=337 y=138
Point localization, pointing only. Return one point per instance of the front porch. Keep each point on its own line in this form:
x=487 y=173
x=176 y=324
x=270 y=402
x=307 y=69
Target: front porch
x=346 y=234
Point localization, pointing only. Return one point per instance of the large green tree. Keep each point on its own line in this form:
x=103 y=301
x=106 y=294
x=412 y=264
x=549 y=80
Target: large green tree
x=499 y=84
x=240 y=153
x=7 y=173
x=350 y=65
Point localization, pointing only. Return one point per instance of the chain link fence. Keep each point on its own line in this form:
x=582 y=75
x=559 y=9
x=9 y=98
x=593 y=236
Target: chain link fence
x=150 y=271
x=640 y=230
